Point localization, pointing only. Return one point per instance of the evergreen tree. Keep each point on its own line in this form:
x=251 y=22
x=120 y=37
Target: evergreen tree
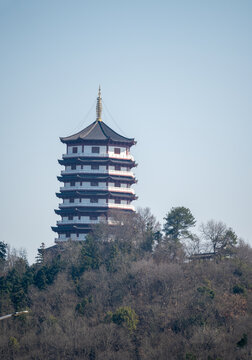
x=3 y=251
x=177 y=223
x=40 y=255
x=90 y=256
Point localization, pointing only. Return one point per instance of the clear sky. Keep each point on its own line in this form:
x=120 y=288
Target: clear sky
x=176 y=75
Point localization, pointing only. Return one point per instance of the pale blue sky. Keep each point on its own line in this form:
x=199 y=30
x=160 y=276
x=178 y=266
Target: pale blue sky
x=176 y=75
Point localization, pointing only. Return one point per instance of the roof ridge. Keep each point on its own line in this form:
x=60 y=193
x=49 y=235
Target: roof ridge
x=78 y=132
x=97 y=130
x=90 y=129
x=125 y=137
x=103 y=130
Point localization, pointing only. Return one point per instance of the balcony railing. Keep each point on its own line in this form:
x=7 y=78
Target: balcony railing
x=88 y=221
x=121 y=189
x=59 y=240
x=121 y=206
x=109 y=188
x=102 y=154
x=75 y=221
x=109 y=172
x=74 y=204
x=109 y=205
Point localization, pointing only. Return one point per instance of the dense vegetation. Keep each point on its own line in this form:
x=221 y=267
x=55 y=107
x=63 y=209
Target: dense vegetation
x=131 y=291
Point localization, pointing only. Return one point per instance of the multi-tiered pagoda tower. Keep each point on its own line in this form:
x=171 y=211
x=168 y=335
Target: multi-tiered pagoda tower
x=97 y=177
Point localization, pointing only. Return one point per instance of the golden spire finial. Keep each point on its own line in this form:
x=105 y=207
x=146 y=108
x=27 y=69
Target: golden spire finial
x=99 y=106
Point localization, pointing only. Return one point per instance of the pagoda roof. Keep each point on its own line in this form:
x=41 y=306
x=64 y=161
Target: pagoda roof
x=97 y=177
x=100 y=194
x=94 y=160
x=98 y=131
x=77 y=211
x=87 y=210
x=70 y=227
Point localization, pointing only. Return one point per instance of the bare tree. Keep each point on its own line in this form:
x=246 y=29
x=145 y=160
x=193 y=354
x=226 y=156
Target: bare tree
x=193 y=245
x=147 y=221
x=218 y=236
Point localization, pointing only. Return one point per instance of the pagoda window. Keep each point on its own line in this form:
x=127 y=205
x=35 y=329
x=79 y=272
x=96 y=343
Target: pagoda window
x=81 y=167
x=117 y=151
x=95 y=149
x=117 y=201
x=77 y=234
x=93 y=200
x=94 y=183
x=75 y=150
x=117 y=167
x=67 y=234
x=72 y=183
x=79 y=217
x=83 y=148
x=93 y=217
x=117 y=184
x=94 y=167
x=73 y=167
x=71 y=200
x=70 y=217
x=80 y=200
x=81 y=183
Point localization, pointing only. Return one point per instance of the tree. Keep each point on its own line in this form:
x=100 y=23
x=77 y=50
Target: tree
x=133 y=233
x=219 y=237
x=40 y=255
x=13 y=256
x=90 y=256
x=178 y=222
x=169 y=250
x=124 y=315
x=194 y=245
x=148 y=228
x=3 y=255
x=3 y=251
x=146 y=221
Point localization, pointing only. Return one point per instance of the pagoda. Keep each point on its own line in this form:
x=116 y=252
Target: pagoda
x=97 y=178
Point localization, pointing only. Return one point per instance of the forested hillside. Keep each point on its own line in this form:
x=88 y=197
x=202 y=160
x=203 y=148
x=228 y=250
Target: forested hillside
x=132 y=291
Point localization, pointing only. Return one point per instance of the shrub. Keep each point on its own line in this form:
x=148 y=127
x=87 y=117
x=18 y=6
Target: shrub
x=125 y=316
x=238 y=289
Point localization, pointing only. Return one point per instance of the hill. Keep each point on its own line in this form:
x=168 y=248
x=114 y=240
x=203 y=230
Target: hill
x=128 y=293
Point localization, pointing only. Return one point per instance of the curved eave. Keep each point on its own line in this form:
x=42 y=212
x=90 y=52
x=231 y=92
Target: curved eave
x=96 y=177
x=92 y=175
x=72 y=228
x=87 y=210
x=97 y=161
x=84 y=209
x=97 y=131
x=88 y=194
x=94 y=192
x=80 y=141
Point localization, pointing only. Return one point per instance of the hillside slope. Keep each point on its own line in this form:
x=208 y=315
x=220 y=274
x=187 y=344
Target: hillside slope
x=116 y=300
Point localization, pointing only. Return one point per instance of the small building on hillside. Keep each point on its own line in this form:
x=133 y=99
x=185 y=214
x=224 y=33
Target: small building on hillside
x=96 y=178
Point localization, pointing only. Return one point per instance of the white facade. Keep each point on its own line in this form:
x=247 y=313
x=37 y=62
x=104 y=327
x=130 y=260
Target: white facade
x=101 y=186
x=87 y=150
x=73 y=236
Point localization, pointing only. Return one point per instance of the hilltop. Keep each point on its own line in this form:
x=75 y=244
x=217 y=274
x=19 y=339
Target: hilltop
x=131 y=291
